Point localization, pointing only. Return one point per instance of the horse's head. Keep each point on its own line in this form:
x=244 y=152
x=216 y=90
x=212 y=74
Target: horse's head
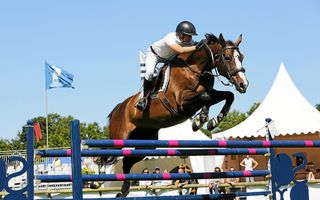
x=228 y=62
x=224 y=56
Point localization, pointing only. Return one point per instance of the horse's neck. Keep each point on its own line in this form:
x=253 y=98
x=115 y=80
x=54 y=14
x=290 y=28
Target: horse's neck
x=186 y=71
x=182 y=77
x=184 y=56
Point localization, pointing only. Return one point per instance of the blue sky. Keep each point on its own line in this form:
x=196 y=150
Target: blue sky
x=98 y=41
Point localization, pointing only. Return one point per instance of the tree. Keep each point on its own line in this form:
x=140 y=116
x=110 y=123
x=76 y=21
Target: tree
x=318 y=107
x=5 y=145
x=233 y=118
x=59 y=132
x=253 y=108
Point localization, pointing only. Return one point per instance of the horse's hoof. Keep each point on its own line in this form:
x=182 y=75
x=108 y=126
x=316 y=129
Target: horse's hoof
x=194 y=127
x=203 y=118
x=212 y=123
x=111 y=160
x=196 y=124
x=206 y=97
x=119 y=195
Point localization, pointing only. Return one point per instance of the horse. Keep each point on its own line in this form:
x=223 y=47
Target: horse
x=190 y=89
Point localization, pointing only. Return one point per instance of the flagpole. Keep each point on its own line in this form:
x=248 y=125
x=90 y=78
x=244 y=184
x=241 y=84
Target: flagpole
x=55 y=78
x=47 y=128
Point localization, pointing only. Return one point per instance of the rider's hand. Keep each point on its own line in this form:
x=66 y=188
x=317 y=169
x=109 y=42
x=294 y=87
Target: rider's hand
x=201 y=43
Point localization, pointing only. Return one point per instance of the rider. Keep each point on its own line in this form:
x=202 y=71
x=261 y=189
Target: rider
x=163 y=50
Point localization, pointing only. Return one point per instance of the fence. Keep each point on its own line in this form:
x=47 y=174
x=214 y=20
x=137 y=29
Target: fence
x=280 y=167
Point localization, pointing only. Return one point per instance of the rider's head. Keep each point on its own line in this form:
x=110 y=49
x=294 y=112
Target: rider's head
x=185 y=30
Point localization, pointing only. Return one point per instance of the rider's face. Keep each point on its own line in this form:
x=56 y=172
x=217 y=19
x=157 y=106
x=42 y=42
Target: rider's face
x=185 y=38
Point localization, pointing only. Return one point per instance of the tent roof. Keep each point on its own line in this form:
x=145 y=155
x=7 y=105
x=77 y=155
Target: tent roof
x=291 y=112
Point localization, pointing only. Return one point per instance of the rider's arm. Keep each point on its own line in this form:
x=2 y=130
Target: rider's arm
x=180 y=49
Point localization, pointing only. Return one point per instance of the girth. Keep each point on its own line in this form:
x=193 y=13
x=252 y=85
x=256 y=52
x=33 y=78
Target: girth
x=166 y=103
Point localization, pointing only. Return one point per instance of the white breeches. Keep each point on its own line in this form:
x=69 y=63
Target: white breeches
x=151 y=62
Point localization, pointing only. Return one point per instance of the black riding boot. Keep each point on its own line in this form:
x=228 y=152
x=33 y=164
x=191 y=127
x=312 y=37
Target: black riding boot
x=143 y=102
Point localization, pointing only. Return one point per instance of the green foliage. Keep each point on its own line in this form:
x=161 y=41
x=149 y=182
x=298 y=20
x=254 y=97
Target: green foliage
x=5 y=145
x=59 y=133
x=253 y=108
x=86 y=170
x=233 y=118
x=318 y=107
x=206 y=132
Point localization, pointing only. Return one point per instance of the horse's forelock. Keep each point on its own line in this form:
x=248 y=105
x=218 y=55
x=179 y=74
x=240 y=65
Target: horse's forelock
x=230 y=43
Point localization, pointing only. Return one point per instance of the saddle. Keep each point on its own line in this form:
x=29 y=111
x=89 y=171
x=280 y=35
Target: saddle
x=160 y=84
x=161 y=81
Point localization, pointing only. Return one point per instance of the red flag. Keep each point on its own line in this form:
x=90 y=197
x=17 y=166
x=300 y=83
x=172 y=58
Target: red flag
x=37 y=131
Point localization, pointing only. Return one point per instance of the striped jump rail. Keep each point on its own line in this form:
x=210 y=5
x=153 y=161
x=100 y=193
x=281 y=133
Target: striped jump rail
x=152 y=152
x=188 y=197
x=202 y=143
x=163 y=176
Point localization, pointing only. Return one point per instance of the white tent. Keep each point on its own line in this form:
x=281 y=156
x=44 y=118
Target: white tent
x=291 y=112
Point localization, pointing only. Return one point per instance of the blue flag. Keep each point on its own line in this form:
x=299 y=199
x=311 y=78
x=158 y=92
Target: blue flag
x=56 y=77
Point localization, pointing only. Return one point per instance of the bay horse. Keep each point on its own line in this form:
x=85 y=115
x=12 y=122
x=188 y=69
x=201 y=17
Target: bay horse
x=190 y=89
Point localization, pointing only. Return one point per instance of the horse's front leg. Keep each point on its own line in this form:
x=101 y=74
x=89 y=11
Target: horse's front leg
x=192 y=100
x=203 y=116
x=218 y=96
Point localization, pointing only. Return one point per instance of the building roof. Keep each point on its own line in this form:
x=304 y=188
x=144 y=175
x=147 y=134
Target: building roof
x=291 y=112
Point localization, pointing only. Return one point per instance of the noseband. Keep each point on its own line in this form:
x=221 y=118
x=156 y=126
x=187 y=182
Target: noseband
x=229 y=73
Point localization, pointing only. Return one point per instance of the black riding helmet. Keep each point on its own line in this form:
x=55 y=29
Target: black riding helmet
x=186 y=28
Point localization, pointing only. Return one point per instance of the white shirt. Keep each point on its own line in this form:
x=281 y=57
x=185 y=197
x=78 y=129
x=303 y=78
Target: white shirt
x=248 y=164
x=56 y=163
x=162 y=47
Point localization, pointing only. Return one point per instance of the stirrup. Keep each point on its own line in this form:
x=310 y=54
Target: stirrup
x=141 y=104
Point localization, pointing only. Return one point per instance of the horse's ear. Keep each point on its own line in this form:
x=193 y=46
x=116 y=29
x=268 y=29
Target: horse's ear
x=211 y=38
x=221 y=40
x=238 y=41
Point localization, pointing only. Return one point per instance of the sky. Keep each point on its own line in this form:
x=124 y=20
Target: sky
x=98 y=42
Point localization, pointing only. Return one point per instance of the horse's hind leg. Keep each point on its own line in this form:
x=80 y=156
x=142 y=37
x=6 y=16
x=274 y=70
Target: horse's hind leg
x=201 y=118
x=128 y=162
x=218 y=96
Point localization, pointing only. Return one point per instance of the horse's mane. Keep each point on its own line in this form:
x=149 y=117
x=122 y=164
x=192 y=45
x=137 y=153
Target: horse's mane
x=211 y=38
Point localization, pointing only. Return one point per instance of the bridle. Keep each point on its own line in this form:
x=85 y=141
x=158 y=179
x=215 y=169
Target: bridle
x=229 y=74
x=221 y=58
